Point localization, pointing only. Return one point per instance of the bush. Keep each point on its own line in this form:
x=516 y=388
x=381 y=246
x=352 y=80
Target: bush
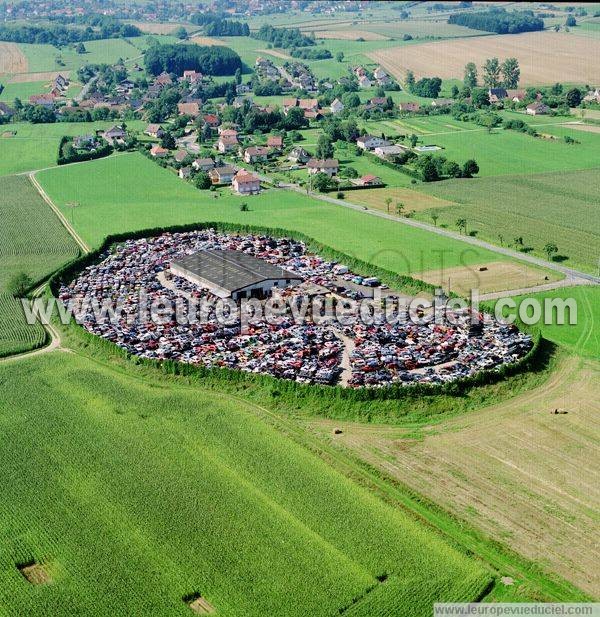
x=68 y=154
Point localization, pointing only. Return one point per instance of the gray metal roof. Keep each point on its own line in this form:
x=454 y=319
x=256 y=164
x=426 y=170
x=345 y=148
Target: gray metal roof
x=231 y=270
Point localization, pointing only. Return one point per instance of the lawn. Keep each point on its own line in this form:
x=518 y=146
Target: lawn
x=22 y=90
x=134 y=493
x=562 y=208
x=33 y=241
x=110 y=202
x=35 y=146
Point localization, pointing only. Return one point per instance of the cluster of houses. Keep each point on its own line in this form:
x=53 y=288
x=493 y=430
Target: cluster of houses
x=380 y=77
x=58 y=91
x=291 y=75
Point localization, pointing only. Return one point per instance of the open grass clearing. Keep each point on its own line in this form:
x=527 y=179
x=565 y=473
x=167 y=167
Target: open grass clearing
x=544 y=57
x=516 y=471
x=110 y=203
x=142 y=477
x=12 y=59
x=35 y=146
x=489 y=277
x=541 y=208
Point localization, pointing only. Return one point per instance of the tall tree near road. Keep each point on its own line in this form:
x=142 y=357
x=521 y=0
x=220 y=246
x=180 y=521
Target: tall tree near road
x=470 y=80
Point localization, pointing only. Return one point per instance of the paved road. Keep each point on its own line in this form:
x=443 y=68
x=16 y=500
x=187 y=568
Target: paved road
x=537 y=261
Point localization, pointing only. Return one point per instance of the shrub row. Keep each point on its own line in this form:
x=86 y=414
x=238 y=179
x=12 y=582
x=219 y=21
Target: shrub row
x=77 y=157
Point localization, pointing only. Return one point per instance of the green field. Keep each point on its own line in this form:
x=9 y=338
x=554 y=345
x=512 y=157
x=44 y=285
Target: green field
x=562 y=208
x=33 y=241
x=111 y=203
x=35 y=146
x=42 y=58
x=136 y=493
x=22 y=90
x=584 y=337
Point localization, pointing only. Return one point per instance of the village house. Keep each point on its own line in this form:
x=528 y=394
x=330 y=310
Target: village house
x=275 y=142
x=115 y=134
x=336 y=106
x=442 y=102
x=85 y=142
x=305 y=104
x=189 y=109
x=154 y=130
x=228 y=141
x=377 y=102
x=192 y=77
x=516 y=95
x=392 y=150
x=212 y=120
x=325 y=166
x=368 y=142
x=158 y=151
x=242 y=89
x=185 y=173
x=364 y=82
x=298 y=155
x=255 y=154
x=222 y=175
x=495 y=95
x=593 y=96
x=5 y=110
x=537 y=109
x=368 y=180
x=409 y=106
x=164 y=79
x=245 y=183
x=180 y=156
x=381 y=76
x=204 y=164
x=45 y=100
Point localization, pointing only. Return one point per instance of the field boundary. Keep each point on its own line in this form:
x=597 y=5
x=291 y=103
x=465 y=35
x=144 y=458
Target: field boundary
x=59 y=214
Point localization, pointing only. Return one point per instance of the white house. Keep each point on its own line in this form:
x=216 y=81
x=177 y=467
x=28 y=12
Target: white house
x=336 y=106
x=245 y=183
x=368 y=142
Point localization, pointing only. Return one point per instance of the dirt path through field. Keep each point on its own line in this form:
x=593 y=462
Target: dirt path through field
x=12 y=59
x=517 y=471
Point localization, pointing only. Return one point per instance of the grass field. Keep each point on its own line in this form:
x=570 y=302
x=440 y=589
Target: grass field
x=22 y=90
x=110 y=203
x=134 y=494
x=35 y=146
x=515 y=471
x=33 y=241
x=544 y=57
x=561 y=208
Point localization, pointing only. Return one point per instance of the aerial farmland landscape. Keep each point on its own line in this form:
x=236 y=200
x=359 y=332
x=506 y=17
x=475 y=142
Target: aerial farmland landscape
x=299 y=308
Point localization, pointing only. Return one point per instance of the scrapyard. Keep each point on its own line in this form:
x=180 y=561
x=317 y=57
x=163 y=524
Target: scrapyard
x=352 y=353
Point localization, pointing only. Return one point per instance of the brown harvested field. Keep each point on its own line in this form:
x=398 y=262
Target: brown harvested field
x=150 y=27
x=206 y=40
x=276 y=54
x=588 y=113
x=12 y=59
x=412 y=200
x=515 y=471
x=496 y=276
x=544 y=57
x=29 y=77
x=588 y=128
x=350 y=35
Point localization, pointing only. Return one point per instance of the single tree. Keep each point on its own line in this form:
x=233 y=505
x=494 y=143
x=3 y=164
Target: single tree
x=455 y=91
x=19 y=283
x=550 y=249
x=202 y=181
x=324 y=147
x=410 y=81
x=388 y=202
x=399 y=208
x=511 y=73
x=470 y=168
x=182 y=34
x=244 y=207
x=573 y=97
x=413 y=140
x=238 y=76
x=80 y=48
x=570 y=22
x=339 y=56
x=168 y=141
x=461 y=225
x=491 y=73
x=470 y=80
x=434 y=217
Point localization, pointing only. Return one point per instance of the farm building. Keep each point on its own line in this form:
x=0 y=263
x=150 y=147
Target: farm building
x=325 y=166
x=233 y=274
x=368 y=142
x=538 y=109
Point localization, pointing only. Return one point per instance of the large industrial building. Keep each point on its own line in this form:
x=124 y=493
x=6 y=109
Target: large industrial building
x=233 y=274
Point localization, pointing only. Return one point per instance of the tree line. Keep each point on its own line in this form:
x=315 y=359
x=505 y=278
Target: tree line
x=177 y=58
x=284 y=38
x=60 y=35
x=495 y=73
x=499 y=21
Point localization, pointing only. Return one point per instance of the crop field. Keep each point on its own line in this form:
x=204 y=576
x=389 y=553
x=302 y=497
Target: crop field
x=110 y=203
x=412 y=200
x=134 y=493
x=152 y=27
x=12 y=59
x=541 y=208
x=33 y=241
x=544 y=57
x=35 y=146
x=514 y=470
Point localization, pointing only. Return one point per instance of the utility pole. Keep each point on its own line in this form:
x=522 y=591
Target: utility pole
x=72 y=205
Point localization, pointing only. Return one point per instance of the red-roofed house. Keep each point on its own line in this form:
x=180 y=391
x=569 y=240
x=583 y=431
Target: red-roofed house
x=158 y=151
x=245 y=183
x=275 y=141
x=188 y=109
